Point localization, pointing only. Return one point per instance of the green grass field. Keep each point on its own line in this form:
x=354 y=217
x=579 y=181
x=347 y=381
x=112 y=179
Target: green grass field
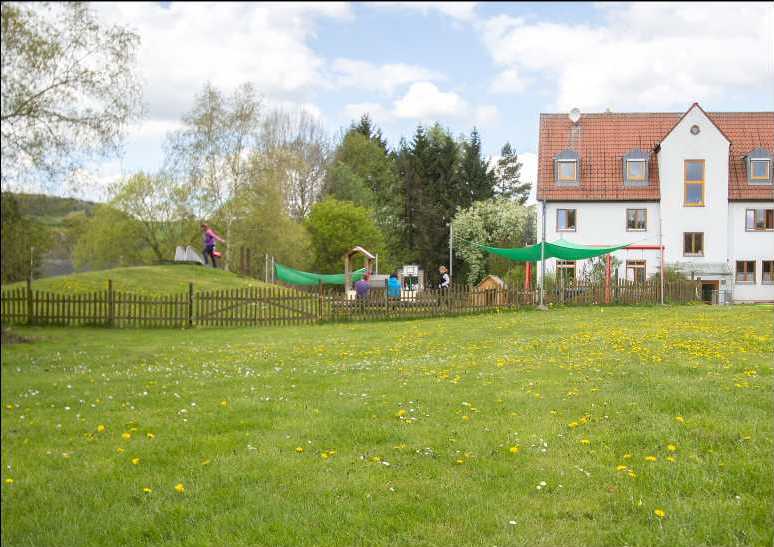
x=146 y=280
x=585 y=426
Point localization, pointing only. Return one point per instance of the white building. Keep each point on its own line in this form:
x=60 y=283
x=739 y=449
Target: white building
x=698 y=183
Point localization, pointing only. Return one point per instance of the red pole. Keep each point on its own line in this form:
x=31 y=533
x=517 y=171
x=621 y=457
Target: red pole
x=607 y=279
x=527 y=276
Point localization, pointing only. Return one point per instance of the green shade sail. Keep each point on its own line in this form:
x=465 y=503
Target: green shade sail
x=561 y=249
x=297 y=277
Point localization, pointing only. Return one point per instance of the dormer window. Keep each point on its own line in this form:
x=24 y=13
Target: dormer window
x=635 y=168
x=759 y=166
x=566 y=168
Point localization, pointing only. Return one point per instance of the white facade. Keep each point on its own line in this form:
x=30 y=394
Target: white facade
x=722 y=223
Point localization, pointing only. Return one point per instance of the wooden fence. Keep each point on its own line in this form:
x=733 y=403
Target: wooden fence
x=276 y=305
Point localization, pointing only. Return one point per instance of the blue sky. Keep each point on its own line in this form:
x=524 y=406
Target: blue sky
x=495 y=66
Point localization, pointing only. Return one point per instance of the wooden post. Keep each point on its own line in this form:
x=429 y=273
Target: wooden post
x=320 y=301
x=111 y=304
x=527 y=276
x=607 y=278
x=29 y=300
x=190 y=305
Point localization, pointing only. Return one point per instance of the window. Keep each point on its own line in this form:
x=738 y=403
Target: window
x=694 y=183
x=767 y=275
x=635 y=170
x=565 y=270
x=760 y=170
x=567 y=170
x=565 y=220
x=693 y=244
x=567 y=167
x=636 y=220
x=759 y=166
x=635 y=271
x=745 y=271
x=759 y=220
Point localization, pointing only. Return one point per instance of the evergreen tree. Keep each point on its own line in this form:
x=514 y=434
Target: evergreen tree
x=508 y=176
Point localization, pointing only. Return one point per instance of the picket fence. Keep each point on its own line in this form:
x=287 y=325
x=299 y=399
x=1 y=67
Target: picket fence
x=277 y=305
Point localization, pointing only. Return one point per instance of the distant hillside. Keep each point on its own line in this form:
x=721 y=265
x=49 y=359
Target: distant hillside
x=148 y=280
x=51 y=210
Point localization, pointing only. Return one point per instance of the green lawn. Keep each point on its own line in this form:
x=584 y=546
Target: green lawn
x=147 y=280
x=570 y=427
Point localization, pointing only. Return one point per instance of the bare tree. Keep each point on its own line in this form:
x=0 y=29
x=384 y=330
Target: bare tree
x=69 y=88
x=297 y=142
x=212 y=152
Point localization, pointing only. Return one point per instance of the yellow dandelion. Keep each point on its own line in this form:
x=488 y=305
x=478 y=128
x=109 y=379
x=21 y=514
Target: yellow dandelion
x=670 y=459
x=680 y=419
x=401 y=413
x=627 y=456
x=205 y=462
x=514 y=449
x=150 y=435
x=119 y=449
x=324 y=455
x=632 y=474
x=100 y=428
x=465 y=418
x=660 y=513
x=460 y=462
x=671 y=447
x=299 y=449
x=572 y=425
x=147 y=490
x=620 y=468
x=135 y=461
x=224 y=403
x=585 y=441
x=126 y=435
x=9 y=480
x=376 y=459
x=179 y=488
x=650 y=458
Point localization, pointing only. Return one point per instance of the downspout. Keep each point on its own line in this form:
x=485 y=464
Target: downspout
x=543 y=257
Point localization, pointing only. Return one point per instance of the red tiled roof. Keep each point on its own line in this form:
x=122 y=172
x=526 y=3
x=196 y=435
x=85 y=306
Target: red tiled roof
x=603 y=139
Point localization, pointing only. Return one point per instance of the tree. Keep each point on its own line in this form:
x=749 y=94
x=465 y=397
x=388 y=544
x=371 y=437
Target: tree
x=508 y=176
x=479 y=178
x=23 y=242
x=337 y=226
x=211 y=152
x=69 y=87
x=110 y=239
x=366 y=128
x=496 y=222
x=159 y=204
x=305 y=152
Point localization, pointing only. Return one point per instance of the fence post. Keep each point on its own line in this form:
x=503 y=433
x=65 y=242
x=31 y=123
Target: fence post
x=110 y=303
x=320 y=301
x=29 y=300
x=190 y=305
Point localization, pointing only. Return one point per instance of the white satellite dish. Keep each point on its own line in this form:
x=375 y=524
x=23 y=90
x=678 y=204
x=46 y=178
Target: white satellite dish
x=574 y=115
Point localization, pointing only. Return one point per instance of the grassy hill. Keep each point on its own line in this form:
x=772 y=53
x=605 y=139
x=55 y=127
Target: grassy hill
x=148 y=280
x=51 y=210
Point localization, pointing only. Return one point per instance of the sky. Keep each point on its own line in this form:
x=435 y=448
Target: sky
x=494 y=66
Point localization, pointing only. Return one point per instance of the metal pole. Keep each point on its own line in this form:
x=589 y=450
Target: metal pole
x=376 y=266
x=451 y=251
x=543 y=256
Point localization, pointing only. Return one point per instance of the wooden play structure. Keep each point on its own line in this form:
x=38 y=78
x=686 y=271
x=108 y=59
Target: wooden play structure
x=368 y=264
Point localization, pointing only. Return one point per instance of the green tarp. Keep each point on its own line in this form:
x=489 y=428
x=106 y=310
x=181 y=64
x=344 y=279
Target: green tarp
x=297 y=277
x=561 y=249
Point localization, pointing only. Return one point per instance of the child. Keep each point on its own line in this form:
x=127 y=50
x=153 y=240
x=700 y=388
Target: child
x=209 y=237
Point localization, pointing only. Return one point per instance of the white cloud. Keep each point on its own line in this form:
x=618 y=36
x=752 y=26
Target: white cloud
x=646 y=56
x=487 y=115
x=529 y=163
x=378 y=113
x=460 y=11
x=508 y=81
x=382 y=78
x=186 y=44
x=424 y=100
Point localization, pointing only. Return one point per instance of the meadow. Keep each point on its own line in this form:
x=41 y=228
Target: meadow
x=578 y=426
x=144 y=280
